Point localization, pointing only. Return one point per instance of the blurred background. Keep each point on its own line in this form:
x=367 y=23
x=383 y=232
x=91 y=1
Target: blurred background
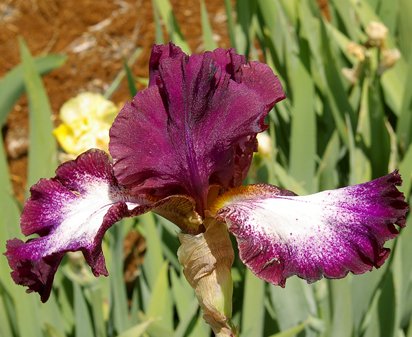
x=345 y=65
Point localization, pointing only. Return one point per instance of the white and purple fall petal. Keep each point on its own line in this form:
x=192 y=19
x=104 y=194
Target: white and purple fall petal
x=326 y=234
x=70 y=212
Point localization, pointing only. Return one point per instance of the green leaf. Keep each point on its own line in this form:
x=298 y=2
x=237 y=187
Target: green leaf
x=245 y=10
x=119 y=77
x=184 y=323
x=158 y=26
x=52 y=317
x=303 y=133
x=230 y=23
x=161 y=305
x=208 y=41
x=405 y=169
x=404 y=125
x=342 y=321
x=83 y=321
x=9 y=219
x=335 y=92
x=291 y=304
x=5 y=324
x=154 y=258
x=27 y=312
x=12 y=84
x=165 y=10
x=387 y=299
x=43 y=147
x=138 y=330
x=183 y=294
x=97 y=305
x=201 y=329
x=292 y=332
x=389 y=12
x=130 y=80
x=119 y=309
x=253 y=313
x=404 y=27
x=346 y=13
x=327 y=172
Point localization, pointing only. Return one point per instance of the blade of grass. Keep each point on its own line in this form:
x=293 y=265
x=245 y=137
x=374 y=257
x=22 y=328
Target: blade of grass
x=42 y=154
x=12 y=84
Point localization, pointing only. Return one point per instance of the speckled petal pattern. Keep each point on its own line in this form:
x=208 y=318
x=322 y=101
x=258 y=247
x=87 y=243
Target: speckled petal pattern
x=326 y=234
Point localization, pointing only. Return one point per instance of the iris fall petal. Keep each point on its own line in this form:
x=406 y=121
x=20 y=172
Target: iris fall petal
x=326 y=234
x=69 y=212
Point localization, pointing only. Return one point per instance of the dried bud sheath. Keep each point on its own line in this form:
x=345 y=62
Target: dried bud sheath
x=207 y=259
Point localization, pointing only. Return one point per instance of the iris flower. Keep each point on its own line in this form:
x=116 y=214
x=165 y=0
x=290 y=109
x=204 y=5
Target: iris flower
x=181 y=148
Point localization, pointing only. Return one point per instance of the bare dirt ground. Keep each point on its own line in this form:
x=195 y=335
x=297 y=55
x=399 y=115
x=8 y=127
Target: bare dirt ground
x=96 y=36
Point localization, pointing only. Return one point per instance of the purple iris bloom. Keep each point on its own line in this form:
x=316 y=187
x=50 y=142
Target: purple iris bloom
x=181 y=149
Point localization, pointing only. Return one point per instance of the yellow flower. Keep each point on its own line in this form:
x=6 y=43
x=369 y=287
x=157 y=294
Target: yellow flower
x=86 y=120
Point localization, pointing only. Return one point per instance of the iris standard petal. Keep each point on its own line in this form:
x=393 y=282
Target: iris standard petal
x=69 y=212
x=326 y=234
x=194 y=126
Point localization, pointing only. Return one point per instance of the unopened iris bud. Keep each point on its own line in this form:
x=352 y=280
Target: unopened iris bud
x=376 y=33
x=389 y=58
x=357 y=51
